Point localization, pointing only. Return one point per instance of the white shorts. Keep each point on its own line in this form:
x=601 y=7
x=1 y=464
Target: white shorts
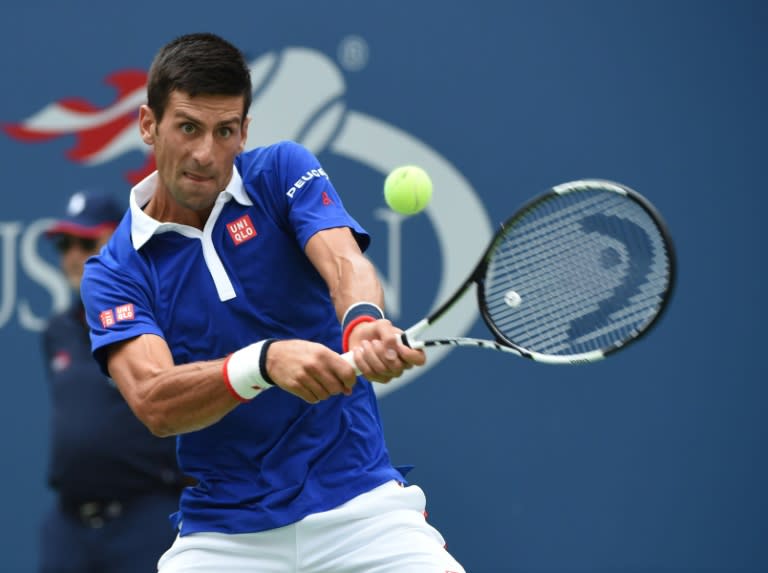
x=381 y=531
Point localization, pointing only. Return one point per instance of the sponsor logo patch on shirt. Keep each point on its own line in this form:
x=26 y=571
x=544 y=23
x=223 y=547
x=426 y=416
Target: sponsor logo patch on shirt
x=306 y=178
x=241 y=230
x=124 y=312
x=107 y=318
x=112 y=315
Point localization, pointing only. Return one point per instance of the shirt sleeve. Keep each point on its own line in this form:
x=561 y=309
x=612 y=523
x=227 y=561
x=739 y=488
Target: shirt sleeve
x=313 y=202
x=117 y=305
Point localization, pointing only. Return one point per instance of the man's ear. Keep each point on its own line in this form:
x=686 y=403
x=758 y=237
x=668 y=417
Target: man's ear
x=147 y=124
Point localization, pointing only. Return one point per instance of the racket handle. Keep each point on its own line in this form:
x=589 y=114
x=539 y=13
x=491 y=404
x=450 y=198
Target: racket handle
x=350 y=357
x=415 y=344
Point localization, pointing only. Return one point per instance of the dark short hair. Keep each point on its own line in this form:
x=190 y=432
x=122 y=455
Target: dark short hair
x=198 y=64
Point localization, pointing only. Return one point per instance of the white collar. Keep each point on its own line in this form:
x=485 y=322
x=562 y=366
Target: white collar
x=143 y=226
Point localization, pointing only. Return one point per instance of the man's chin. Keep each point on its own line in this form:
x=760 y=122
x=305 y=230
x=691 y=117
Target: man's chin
x=199 y=196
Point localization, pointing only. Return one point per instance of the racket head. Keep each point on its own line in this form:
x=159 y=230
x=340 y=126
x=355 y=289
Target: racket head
x=577 y=273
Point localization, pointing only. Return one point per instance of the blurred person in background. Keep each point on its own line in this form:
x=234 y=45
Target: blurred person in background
x=115 y=483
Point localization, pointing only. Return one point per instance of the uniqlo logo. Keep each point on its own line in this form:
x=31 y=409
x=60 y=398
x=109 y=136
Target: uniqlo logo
x=107 y=318
x=124 y=312
x=241 y=230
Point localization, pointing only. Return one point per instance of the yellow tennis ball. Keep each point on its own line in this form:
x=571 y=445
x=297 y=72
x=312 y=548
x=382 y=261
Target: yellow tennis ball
x=408 y=189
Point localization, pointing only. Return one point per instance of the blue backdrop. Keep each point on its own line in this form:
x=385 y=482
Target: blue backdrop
x=650 y=461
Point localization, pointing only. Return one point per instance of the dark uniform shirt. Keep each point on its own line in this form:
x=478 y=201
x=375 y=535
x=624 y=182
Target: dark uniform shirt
x=99 y=449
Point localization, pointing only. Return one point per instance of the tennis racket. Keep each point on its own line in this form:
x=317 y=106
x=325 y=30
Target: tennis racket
x=576 y=274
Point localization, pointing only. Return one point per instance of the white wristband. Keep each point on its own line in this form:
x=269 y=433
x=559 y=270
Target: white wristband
x=245 y=371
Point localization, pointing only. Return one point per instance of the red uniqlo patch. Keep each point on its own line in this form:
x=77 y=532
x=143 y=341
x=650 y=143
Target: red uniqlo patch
x=125 y=312
x=107 y=318
x=241 y=230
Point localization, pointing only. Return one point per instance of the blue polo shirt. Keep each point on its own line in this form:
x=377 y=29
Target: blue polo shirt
x=243 y=278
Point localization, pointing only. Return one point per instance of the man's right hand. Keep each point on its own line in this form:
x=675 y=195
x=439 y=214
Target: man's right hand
x=309 y=370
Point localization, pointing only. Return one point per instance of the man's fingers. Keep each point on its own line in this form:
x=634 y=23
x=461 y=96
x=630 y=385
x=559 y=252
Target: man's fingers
x=310 y=371
x=381 y=362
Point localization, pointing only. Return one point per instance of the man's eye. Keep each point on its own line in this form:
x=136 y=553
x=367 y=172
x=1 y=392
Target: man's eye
x=188 y=128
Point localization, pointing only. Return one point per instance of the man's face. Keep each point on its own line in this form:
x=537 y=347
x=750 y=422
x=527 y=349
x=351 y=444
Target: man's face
x=195 y=145
x=74 y=251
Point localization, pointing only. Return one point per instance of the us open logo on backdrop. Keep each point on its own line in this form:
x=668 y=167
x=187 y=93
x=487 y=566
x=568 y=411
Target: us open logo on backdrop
x=299 y=94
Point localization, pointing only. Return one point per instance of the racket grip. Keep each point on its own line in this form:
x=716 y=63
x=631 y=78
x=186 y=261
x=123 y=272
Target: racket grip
x=350 y=358
x=415 y=344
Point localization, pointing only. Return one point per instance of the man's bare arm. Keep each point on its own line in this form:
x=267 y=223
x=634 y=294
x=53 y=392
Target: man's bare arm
x=352 y=278
x=172 y=399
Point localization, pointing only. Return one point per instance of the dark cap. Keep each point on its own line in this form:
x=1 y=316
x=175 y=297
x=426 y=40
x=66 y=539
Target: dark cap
x=88 y=214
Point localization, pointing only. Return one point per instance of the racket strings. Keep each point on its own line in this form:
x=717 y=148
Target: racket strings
x=539 y=251
x=590 y=268
x=571 y=309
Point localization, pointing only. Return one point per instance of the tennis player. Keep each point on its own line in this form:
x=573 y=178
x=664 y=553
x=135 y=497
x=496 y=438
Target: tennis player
x=220 y=306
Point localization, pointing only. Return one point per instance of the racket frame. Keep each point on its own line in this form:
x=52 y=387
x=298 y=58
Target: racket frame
x=477 y=278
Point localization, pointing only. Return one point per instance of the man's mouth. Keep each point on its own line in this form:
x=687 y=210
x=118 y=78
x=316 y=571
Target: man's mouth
x=197 y=177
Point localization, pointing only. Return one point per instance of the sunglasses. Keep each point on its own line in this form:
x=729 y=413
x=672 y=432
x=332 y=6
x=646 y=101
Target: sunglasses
x=65 y=242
